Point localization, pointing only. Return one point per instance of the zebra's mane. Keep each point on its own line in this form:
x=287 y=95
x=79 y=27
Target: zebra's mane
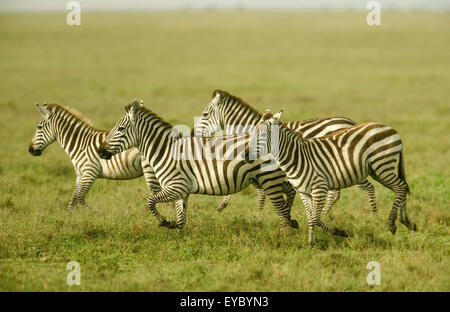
x=70 y=111
x=232 y=100
x=148 y=112
x=298 y=134
x=267 y=115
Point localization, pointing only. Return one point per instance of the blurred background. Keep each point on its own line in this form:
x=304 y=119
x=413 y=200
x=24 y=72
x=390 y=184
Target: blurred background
x=231 y=4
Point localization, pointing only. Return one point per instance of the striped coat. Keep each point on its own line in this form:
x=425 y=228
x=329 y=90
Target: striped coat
x=80 y=141
x=333 y=162
x=193 y=165
x=230 y=113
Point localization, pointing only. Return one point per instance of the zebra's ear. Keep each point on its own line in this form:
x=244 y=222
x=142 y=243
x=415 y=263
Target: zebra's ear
x=216 y=99
x=216 y=93
x=277 y=117
x=44 y=111
x=135 y=105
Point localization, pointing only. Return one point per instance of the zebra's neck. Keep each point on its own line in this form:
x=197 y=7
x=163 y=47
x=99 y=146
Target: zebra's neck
x=72 y=133
x=236 y=113
x=291 y=152
x=154 y=138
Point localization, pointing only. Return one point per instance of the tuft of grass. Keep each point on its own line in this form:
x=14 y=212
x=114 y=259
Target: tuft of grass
x=314 y=64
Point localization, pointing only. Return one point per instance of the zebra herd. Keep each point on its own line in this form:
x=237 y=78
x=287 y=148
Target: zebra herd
x=315 y=158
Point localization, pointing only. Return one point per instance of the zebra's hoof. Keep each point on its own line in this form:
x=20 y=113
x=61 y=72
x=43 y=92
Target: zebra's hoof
x=172 y=225
x=410 y=225
x=168 y=224
x=294 y=224
x=340 y=233
x=164 y=223
x=393 y=228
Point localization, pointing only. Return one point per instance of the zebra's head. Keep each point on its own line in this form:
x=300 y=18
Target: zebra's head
x=211 y=121
x=263 y=139
x=123 y=135
x=45 y=133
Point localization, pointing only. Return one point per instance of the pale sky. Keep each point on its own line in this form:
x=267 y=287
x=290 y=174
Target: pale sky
x=45 y=5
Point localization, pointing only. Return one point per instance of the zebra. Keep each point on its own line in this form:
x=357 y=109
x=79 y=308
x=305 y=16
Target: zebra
x=230 y=113
x=80 y=141
x=193 y=165
x=332 y=162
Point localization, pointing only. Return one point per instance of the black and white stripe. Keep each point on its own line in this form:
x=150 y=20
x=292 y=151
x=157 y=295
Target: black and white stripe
x=80 y=141
x=194 y=165
x=333 y=162
x=232 y=115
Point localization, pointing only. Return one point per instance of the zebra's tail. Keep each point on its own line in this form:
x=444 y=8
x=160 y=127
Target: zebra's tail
x=401 y=172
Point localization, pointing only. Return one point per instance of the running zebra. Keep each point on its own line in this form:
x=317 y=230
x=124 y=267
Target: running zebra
x=80 y=141
x=230 y=113
x=192 y=165
x=336 y=161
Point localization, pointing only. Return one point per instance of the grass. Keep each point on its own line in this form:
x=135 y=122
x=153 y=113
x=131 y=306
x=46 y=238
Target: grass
x=312 y=64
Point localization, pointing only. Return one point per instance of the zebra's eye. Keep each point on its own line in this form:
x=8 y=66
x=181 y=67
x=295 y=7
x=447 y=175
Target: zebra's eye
x=39 y=127
x=121 y=129
x=205 y=114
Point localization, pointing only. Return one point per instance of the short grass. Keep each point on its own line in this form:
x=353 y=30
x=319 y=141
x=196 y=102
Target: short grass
x=312 y=64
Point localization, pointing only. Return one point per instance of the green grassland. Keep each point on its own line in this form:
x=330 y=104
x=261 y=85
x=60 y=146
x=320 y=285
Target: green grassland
x=312 y=64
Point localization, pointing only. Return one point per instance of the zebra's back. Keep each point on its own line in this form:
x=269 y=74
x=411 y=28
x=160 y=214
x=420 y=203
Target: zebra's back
x=314 y=128
x=349 y=152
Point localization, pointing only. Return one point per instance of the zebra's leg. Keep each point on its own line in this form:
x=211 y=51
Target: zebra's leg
x=404 y=217
x=165 y=195
x=150 y=177
x=387 y=175
x=399 y=199
x=151 y=204
x=332 y=198
x=224 y=203
x=400 y=189
x=151 y=180
x=261 y=198
x=275 y=195
x=290 y=193
x=307 y=203
x=74 y=199
x=84 y=187
x=369 y=191
x=313 y=208
x=319 y=196
x=181 y=206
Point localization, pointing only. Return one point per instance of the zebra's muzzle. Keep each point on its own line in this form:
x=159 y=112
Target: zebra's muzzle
x=104 y=154
x=34 y=152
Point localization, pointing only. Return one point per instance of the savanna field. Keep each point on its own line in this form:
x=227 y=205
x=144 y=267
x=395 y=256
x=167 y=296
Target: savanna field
x=313 y=64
